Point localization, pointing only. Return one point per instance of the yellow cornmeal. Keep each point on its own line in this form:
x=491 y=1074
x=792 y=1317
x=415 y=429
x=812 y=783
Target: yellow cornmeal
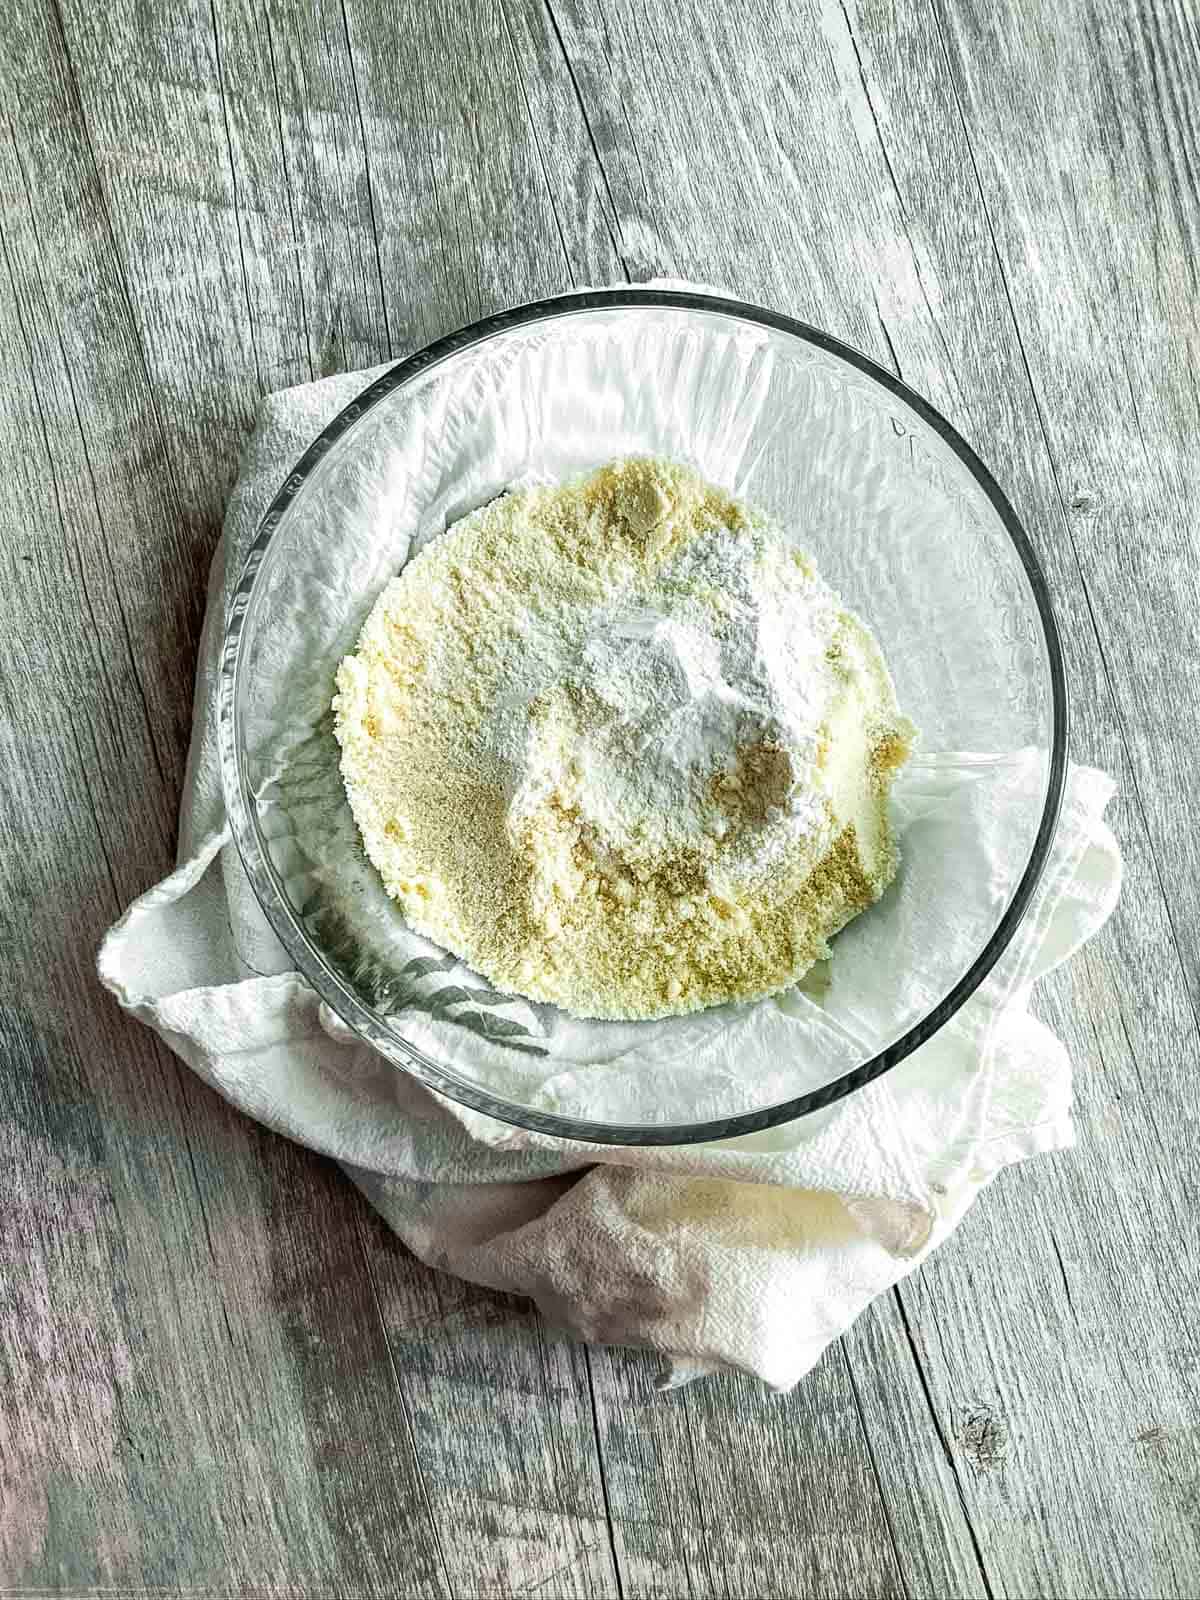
x=511 y=810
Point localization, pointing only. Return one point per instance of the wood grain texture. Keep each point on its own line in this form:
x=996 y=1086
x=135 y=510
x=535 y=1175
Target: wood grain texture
x=1096 y=1303
x=308 y=228
x=244 y=1420
x=219 y=1372
x=726 y=1491
x=502 y=1415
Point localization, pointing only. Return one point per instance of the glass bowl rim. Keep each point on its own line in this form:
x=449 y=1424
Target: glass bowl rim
x=309 y=960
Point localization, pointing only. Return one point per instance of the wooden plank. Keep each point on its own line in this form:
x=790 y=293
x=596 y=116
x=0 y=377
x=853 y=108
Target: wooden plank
x=465 y=218
x=726 y=1491
x=665 y=1539
x=514 y=1491
x=917 y=1470
x=182 y=1406
x=782 y=127
x=721 y=137
x=1101 y=273
x=1046 y=1415
x=576 y=182
x=501 y=1411
x=296 y=147
x=298 y=1404
x=877 y=151
x=146 y=109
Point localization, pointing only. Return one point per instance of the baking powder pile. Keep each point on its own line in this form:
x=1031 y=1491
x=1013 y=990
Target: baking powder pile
x=618 y=746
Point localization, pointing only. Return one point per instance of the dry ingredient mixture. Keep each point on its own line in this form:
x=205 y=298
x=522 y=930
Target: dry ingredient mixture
x=618 y=746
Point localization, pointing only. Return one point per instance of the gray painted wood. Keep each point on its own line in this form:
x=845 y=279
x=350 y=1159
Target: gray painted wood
x=1074 y=1391
x=218 y=1369
x=727 y=1490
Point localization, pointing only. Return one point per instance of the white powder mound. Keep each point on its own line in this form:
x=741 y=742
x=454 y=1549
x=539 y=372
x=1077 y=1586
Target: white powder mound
x=619 y=747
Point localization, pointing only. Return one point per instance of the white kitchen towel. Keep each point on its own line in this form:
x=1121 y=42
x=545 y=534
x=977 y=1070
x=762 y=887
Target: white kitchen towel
x=753 y=1253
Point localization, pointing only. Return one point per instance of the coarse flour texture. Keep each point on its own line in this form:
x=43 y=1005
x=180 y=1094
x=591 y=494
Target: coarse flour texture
x=618 y=746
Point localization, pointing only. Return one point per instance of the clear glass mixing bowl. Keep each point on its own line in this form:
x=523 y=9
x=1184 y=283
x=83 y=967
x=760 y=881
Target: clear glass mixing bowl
x=903 y=520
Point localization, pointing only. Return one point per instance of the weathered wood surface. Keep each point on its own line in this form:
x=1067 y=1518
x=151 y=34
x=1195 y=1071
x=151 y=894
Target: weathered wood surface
x=217 y=1371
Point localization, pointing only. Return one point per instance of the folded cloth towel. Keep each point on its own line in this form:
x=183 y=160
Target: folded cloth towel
x=752 y=1254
